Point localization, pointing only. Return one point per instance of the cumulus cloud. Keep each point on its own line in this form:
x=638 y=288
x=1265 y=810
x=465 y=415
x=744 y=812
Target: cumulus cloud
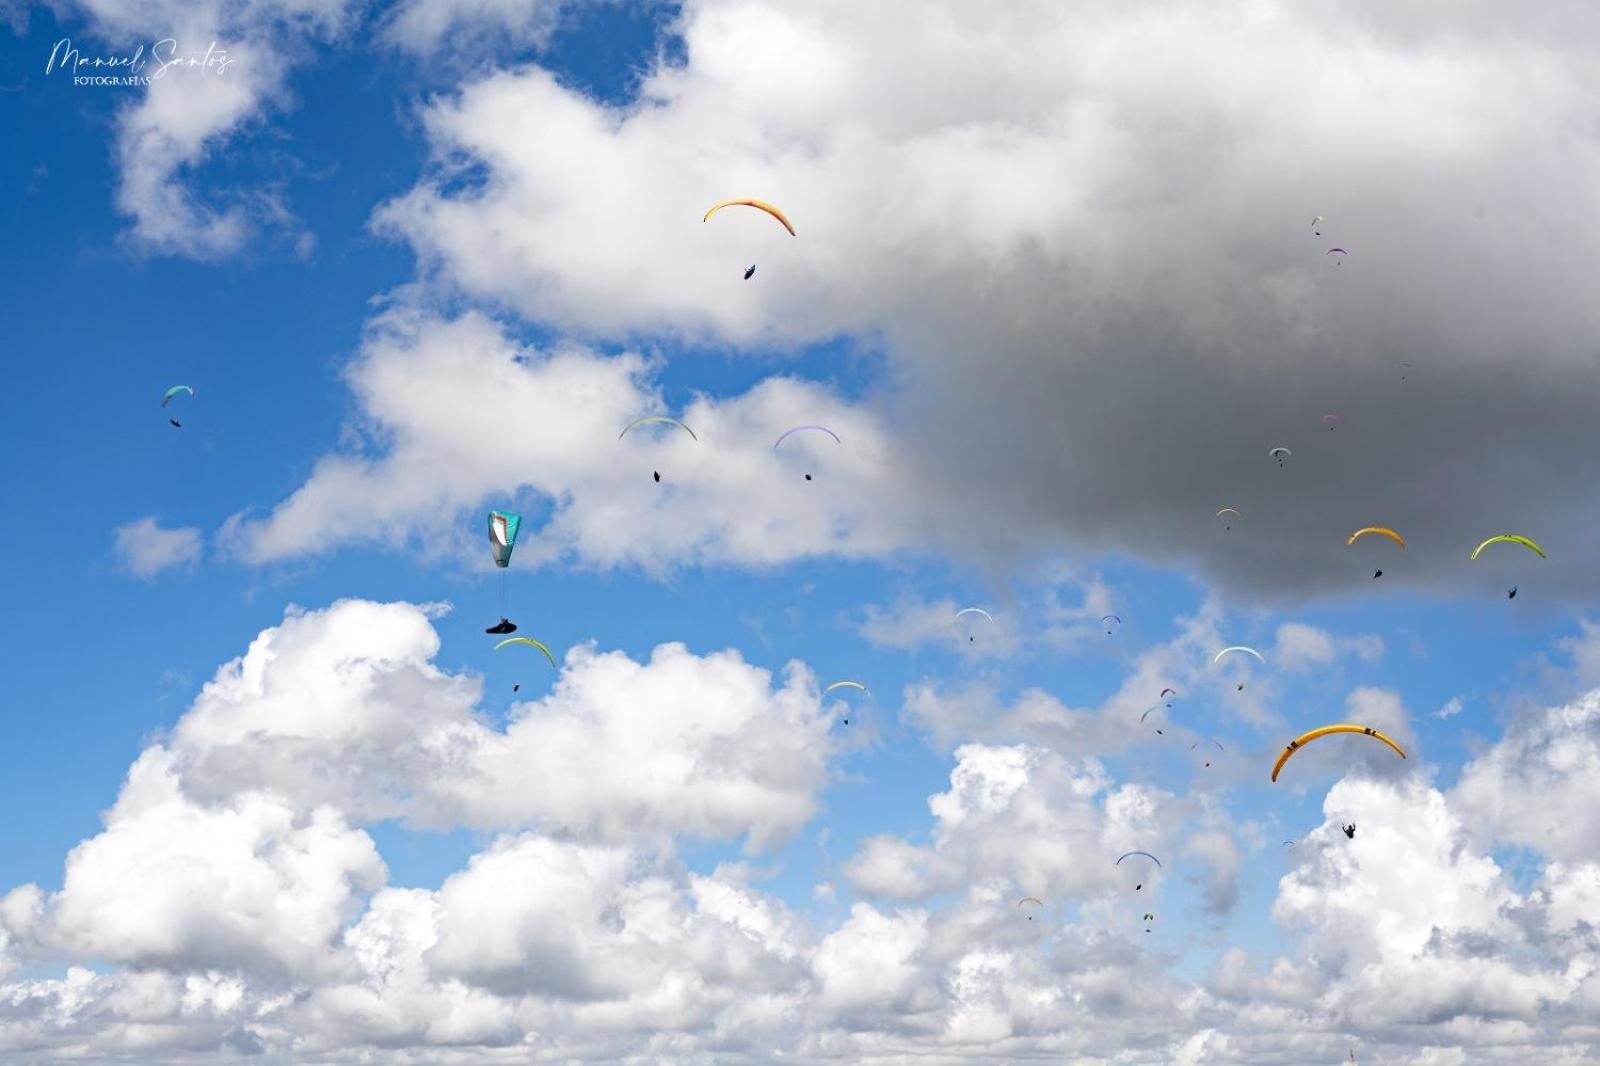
x=188 y=113
x=144 y=549
x=429 y=388
x=344 y=707
x=1154 y=228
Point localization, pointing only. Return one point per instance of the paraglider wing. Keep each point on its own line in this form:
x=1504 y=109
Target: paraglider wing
x=797 y=429
x=529 y=641
x=1168 y=692
x=1280 y=453
x=1238 y=647
x=1111 y=622
x=1341 y=251
x=759 y=205
x=1208 y=740
x=167 y=396
x=975 y=610
x=1030 y=899
x=1146 y=714
x=503 y=526
x=1305 y=738
x=1384 y=530
x=1510 y=538
x=1227 y=510
x=1317 y=219
x=651 y=419
x=1146 y=854
x=844 y=684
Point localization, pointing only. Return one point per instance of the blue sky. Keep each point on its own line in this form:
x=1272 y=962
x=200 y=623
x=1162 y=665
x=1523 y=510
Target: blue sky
x=430 y=258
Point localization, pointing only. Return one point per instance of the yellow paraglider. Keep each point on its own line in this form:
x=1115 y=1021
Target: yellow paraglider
x=1305 y=738
x=1384 y=530
x=1510 y=538
x=759 y=205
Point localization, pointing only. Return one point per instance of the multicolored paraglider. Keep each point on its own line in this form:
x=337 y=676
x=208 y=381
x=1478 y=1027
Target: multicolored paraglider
x=1305 y=738
x=503 y=527
x=759 y=205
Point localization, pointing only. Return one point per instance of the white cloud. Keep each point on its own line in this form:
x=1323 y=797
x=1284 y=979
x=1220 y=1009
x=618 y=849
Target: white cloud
x=188 y=113
x=1301 y=647
x=344 y=707
x=1451 y=707
x=144 y=549
x=431 y=391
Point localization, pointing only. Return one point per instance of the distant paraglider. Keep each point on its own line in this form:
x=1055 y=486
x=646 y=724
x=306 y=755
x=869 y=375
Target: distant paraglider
x=1228 y=511
x=1337 y=251
x=1144 y=854
x=1111 y=622
x=789 y=432
x=1208 y=740
x=1331 y=421
x=531 y=643
x=167 y=396
x=1280 y=454
x=977 y=611
x=1315 y=222
x=1030 y=899
x=749 y=272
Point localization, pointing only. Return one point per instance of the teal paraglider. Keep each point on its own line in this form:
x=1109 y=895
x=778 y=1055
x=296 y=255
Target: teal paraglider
x=503 y=527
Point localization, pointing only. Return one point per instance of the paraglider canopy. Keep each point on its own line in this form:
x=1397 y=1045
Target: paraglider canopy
x=789 y=432
x=503 y=526
x=1343 y=727
x=1238 y=648
x=1111 y=622
x=1510 y=538
x=653 y=419
x=531 y=643
x=1280 y=454
x=844 y=684
x=1380 y=530
x=759 y=205
x=167 y=396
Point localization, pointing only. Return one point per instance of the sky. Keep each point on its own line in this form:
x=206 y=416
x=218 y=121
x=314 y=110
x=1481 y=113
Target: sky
x=1061 y=283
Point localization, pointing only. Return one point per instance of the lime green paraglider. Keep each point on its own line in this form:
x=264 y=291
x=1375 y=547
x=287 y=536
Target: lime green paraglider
x=531 y=643
x=1510 y=538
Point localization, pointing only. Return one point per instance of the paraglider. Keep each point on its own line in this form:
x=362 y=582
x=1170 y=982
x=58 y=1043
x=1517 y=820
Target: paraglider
x=1030 y=899
x=1148 y=918
x=1331 y=420
x=653 y=420
x=1145 y=854
x=749 y=272
x=531 y=643
x=1146 y=714
x=1315 y=222
x=788 y=432
x=1349 y=830
x=1380 y=530
x=1238 y=648
x=1512 y=594
x=1111 y=622
x=1305 y=738
x=759 y=205
x=1510 y=538
x=503 y=527
x=1208 y=740
x=1279 y=454
x=1341 y=253
x=167 y=396
x=846 y=684
x=974 y=610
x=1228 y=510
